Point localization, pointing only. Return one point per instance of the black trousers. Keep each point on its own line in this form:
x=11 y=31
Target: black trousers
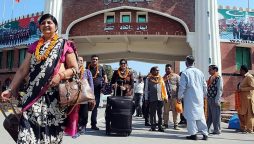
x=138 y=102
x=156 y=107
x=145 y=111
x=97 y=92
x=83 y=115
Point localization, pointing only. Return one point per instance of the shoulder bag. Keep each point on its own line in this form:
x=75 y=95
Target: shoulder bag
x=74 y=90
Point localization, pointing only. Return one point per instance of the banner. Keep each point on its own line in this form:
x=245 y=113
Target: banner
x=236 y=25
x=20 y=32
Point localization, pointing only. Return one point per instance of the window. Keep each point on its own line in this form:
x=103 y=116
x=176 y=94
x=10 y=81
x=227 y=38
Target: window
x=243 y=57
x=22 y=54
x=142 y=17
x=1 y=57
x=125 y=17
x=109 y=17
x=10 y=59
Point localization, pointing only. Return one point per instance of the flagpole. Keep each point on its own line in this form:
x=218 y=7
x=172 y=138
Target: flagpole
x=248 y=5
x=12 y=9
x=3 y=11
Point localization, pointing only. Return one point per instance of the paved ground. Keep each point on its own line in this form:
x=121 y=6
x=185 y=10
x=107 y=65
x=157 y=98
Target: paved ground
x=141 y=135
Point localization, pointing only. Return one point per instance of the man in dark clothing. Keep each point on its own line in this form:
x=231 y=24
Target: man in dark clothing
x=99 y=77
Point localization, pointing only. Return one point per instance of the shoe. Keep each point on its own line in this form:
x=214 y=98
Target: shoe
x=215 y=133
x=182 y=122
x=82 y=131
x=165 y=126
x=95 y=128
x=249 y=131
x=138 y=115
x=176 y=127
x=205 y=137
x=161 y=130
x=76 y=136
x=147 y=124
x=152 y=129
x=192 y=137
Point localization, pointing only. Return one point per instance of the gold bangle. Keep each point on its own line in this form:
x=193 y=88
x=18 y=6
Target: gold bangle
x=74 y=70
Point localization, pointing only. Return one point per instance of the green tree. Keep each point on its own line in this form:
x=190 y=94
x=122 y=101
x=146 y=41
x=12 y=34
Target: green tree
x=109 y=71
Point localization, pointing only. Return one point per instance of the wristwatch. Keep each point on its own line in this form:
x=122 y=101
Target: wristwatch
x=10 y=90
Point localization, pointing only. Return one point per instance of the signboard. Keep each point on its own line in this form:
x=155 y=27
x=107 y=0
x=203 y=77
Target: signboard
x=20 y=32
x=236 y=25
x=122 y=27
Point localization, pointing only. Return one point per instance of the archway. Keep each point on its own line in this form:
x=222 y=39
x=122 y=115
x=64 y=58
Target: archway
x=156 y=47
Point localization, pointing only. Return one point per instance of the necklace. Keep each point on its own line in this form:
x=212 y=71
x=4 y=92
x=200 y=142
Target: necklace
x=126 y=73
x=155 y=79
x=82 y=71
x=168 y=76
x=48 y=49
x=97 y=70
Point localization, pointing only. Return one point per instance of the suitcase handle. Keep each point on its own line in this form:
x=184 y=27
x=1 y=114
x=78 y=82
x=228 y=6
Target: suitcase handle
x=120 y=89
x=115 y=88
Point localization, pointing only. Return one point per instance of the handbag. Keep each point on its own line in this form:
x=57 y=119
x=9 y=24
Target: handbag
x=74 y=91
x=11 y=122
x=179 y=107
x=107 y=89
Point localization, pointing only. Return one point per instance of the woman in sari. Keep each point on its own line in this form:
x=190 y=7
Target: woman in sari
x=42 y=118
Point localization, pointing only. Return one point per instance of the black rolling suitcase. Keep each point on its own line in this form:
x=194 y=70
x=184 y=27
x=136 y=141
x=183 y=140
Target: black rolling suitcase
x=119 y=115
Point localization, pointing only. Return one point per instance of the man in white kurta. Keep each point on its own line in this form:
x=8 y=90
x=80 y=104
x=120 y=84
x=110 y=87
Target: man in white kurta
x=193 y=88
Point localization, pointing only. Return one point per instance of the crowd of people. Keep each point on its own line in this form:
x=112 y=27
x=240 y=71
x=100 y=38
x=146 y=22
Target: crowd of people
x=13 y=37
x=242 y=30
x=43 y=121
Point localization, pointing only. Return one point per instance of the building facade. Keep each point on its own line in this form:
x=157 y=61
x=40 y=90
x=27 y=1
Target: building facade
x=236 y=29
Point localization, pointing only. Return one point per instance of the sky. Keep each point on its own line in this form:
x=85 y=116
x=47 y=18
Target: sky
x=25 y=7
x=237 y=3
x=15 y=10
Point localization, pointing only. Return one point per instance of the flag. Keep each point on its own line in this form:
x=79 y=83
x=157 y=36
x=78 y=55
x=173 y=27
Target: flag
x=17 y=1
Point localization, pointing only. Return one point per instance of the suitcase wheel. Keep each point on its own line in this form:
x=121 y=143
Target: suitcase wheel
x=126 y=134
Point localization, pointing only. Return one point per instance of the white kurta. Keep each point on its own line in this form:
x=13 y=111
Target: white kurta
x=192 y=88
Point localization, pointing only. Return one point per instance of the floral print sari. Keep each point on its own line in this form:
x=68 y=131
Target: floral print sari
x=43 y=121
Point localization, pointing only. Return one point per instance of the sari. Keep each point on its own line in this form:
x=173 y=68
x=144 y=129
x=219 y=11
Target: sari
x=43 y=122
